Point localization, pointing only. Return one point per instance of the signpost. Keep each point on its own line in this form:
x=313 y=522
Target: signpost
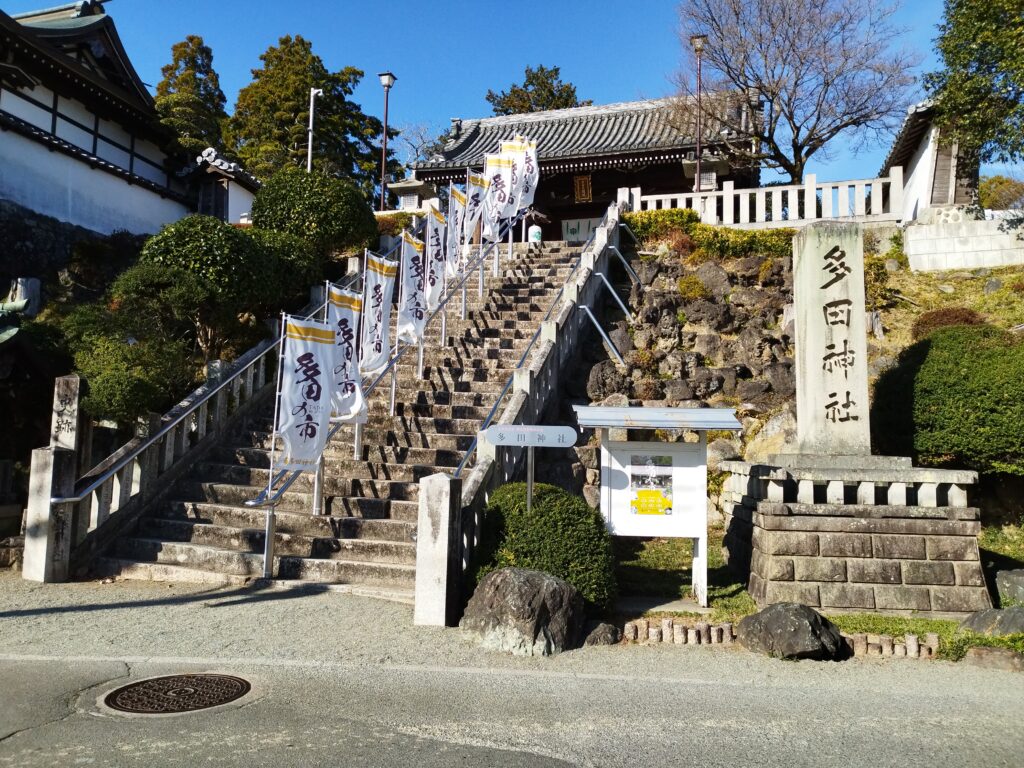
x=530 y=436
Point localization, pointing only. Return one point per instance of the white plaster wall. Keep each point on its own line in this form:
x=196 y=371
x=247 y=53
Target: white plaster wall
x=72 y=134
x=54 y=184
x=76 y=110
x=147 y=171
x=917 y=182
x=26 y=110
x=114 y=131
x=239 y=202
x=965 y=244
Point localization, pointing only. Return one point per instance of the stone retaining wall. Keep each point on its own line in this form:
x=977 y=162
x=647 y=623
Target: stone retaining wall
x=892 y=558
x=877 y=558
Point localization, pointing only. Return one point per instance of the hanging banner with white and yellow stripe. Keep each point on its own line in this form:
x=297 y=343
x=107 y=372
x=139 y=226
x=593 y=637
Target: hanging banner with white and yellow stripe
x=453 y=248
x=378 y=288
x=344 y=309
x=433 y=285
x=304 y=409
x=412 y=303
x=476 y=194
x=516 y=152
x=498 y=171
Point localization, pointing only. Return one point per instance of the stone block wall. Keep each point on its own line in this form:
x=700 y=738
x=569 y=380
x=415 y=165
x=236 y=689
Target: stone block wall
x=854 y=557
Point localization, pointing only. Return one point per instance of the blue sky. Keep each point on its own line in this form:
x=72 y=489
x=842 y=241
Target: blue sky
x=447 y=54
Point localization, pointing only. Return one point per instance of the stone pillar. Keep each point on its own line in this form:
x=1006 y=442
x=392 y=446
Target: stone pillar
x=48 y=527
x=438 y=571
x=831 y=341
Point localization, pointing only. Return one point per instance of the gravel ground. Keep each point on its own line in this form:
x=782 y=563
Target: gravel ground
x=336 y=672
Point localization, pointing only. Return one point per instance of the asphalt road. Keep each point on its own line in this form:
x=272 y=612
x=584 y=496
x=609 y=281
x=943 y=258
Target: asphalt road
x=339 y=680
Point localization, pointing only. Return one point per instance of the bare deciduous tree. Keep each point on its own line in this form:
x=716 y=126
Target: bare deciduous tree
x=811 y=70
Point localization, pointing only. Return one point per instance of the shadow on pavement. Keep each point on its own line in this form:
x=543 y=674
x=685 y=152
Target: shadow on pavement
x=254 y=593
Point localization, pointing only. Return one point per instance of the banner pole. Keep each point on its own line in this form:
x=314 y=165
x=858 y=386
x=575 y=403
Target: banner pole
x=271 y=522
x=511 y=232
x=419 y=360
x=318 y=487
x=480 y=288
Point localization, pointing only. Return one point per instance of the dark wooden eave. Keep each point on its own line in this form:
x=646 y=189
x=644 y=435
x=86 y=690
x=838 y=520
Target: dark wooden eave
x=114 y=92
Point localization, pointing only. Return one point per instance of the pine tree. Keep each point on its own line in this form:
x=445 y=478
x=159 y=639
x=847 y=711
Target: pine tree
x=189 y=99
x=542 y=89
x=268 y=128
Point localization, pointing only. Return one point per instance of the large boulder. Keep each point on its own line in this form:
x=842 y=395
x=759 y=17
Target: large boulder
x=792 y=631
x=996 y=621
x=778 y=435
x=526 y=613
x=714 y=278
x=606 y=378
x=1010 y=585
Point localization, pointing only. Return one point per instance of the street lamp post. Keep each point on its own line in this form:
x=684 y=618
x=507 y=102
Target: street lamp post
x=387 y=80
x=313 y=93
x=698 y=42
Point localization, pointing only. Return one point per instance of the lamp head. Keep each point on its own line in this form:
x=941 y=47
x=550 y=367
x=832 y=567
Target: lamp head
x=697 y=42
x=387 y=79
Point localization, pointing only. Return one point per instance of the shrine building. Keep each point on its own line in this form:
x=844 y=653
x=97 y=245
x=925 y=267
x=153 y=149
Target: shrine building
x=586 y=154
x=80 y=138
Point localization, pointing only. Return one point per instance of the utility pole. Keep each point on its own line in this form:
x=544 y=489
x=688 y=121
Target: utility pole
x=313 y=93
x=387 y=80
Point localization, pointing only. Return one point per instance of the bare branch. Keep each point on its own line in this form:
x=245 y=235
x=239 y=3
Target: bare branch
x=811 y=69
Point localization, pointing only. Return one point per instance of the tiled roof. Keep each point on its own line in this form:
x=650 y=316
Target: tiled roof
x=915 y=125
x=580 y=132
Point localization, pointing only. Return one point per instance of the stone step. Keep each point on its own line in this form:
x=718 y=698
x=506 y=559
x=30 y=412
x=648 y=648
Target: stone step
x=237 y=495
x=285 y=544
x=434 y=410
x=298 y=524
x=376 y=436
x=335 y=484
x=250 y=565
x=259 y=458
x=372 y=509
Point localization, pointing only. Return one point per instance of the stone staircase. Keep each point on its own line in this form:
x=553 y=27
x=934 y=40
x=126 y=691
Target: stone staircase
x=366 y=538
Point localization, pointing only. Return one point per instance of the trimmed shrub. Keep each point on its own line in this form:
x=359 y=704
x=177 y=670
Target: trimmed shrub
x=330 y=214
x=877 y=292
x=297 y=265
x=154 y=300
x=128 y=378
x=562 y=536
x=955 y=398
x=692 y=289
x=721 y=243
x=944 y=318
x=219 y=254
x=655 y=225
x=392 y=224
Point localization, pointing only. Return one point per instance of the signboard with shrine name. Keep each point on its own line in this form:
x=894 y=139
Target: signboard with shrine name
x=526 y=436
x=831 y=340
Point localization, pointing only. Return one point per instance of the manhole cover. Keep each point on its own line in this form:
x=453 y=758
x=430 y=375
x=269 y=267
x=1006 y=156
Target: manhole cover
x=176 y=693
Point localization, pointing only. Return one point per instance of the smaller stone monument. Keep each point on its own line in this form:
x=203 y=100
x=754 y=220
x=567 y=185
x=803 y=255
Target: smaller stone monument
x=832 y=526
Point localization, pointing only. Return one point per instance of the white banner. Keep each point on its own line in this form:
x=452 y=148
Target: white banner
x=412 y=304
x=378 y=288
x=344 y=308
x=304 y=411
x=516 y=152
x=476 y=194
x=456 y=214
x=531 y=175
x=434 y=285
x=498 y=171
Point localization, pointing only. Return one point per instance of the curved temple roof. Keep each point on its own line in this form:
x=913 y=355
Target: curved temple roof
x=631 y=127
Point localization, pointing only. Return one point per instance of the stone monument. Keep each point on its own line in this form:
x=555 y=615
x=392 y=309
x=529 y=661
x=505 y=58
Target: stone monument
x=832 y=526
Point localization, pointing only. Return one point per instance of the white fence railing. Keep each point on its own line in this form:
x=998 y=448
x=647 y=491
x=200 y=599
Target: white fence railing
x=791 y=205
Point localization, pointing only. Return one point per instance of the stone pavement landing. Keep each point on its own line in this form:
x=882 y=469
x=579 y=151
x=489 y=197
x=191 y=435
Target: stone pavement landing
x=339 y=679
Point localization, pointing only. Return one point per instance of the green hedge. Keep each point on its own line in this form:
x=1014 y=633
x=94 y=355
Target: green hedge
x=562 y=536
x=392 y=224
x=955 y=398
x=710 y=242
x=296 y=265
x=329 y=213
x=653 y=225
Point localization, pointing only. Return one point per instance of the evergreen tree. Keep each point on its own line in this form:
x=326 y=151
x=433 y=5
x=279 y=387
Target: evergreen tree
x=542 y=89
x=268 y=129
x=980 y=92
x=189 y=99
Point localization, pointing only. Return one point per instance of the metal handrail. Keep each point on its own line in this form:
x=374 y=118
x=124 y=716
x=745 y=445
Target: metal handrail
x=262 y=499
x=149 y=442
x=536 y=335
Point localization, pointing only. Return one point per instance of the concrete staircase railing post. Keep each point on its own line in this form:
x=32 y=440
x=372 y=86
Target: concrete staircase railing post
x=48 y=527
x=438 y=551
